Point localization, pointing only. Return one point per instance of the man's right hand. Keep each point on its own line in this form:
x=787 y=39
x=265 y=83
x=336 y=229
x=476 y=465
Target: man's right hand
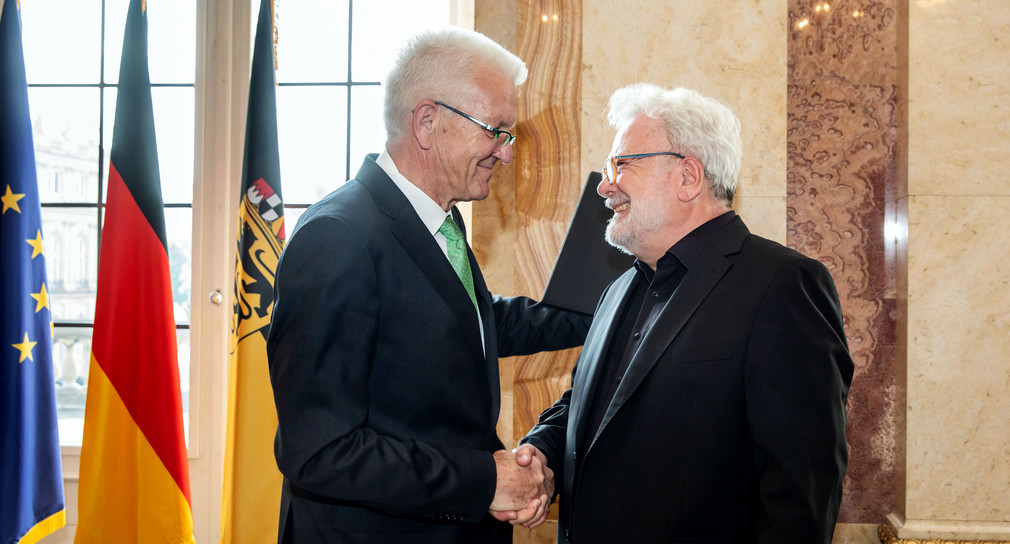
x=524 y=488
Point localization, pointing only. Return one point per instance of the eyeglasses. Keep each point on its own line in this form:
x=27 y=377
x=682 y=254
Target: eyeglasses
x=610 y=166
x=507 y=137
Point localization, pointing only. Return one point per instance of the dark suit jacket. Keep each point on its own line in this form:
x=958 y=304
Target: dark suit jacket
x=729 y=425
x=386 y=402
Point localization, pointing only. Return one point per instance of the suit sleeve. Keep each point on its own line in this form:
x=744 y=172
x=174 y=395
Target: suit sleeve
x=525 y=326
x=797 y=378
x=320 y=349
x=550 y=432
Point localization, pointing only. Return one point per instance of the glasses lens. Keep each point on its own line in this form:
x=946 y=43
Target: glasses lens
x=502 y=139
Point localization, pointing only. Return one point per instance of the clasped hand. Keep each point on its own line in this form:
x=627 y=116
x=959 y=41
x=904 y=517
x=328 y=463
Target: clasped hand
x=525 y=487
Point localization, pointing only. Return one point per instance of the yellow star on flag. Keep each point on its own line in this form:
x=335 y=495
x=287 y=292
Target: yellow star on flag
x=36 y=244
x=41 y=298
x=10 y=200
x=25 y=348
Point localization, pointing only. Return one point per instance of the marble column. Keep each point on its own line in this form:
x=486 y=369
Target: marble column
x=843 y=96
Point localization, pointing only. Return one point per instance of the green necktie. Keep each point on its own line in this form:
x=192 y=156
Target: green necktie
x=457 y=254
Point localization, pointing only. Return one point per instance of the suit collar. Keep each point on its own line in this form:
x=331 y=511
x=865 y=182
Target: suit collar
x=431 y=214
x=421 y=246
x=686 y=250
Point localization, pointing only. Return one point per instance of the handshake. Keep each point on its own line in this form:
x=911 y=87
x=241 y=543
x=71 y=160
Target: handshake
x=525 y=487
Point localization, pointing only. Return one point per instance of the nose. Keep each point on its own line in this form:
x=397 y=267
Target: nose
x=503 y=154
x=605 y=188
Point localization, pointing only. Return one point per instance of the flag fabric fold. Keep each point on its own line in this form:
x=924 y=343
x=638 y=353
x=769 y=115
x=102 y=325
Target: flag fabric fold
x=250 y=499
x=134 y=474
x=31 y=473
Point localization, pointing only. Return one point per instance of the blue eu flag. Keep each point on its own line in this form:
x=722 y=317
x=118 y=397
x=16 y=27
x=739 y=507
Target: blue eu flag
x=31 y=475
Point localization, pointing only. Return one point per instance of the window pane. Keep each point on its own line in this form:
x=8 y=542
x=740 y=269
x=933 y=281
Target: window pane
x=312 y=129
x=291 y=217
x=367 y=128
x=172 y=41
x=70 y=238
x=65 y=126
x=71 y=362
x=115 y=29
x=182 y=341
x=311 y=40
x=373 y=50
x=173 y=124
x=179 y=229
x=76 y=26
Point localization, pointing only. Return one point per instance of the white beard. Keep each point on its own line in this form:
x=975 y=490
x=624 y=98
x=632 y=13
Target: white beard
x=645 y=216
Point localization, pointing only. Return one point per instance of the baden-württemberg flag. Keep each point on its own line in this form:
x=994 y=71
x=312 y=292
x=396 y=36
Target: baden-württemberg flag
x=134 y=477
x=31 y=474
x=252 y=483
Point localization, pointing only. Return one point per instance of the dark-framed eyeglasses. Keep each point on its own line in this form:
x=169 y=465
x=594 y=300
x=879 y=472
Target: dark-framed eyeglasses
x=501 y=137
x=609 y=169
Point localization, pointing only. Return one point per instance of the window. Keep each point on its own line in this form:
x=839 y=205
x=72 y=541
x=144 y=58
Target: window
x=332 y=58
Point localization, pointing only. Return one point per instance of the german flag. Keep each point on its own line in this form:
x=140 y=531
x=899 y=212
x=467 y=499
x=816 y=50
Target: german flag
x=251 y=492
x=134 y=474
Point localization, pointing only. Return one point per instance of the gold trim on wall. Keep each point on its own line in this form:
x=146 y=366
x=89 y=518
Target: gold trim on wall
x=887 y=536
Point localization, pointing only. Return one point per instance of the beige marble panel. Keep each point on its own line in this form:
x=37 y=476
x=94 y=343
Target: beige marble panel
x=959 y=118
x=763 y=215
x=958 y=432
x=732 y=50
x=901 y=531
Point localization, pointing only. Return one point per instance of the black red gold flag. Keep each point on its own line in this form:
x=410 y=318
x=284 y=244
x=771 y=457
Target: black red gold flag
x=134 y=474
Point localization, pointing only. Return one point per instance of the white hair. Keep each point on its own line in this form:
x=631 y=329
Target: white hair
x=441 y=65
x=695 y=125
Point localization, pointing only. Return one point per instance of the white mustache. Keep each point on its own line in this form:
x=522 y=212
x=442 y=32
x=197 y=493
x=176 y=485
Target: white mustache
x=615 y=202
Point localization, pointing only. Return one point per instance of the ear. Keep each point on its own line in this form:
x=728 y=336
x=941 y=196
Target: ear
x=692 y=182
x=423 y=123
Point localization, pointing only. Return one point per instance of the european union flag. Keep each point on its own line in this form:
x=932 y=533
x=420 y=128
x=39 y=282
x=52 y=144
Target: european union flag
x=31 y=475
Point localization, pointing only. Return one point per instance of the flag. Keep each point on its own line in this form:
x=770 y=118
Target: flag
x=31 y=472
x=134 y=475
x=250 y=498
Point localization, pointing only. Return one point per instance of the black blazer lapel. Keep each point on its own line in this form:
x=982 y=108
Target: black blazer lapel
x=595 y=349
x=706 y=271
x=422 y=248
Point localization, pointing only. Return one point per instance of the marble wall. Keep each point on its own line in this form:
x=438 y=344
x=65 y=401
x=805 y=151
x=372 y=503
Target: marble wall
x=875 y=139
